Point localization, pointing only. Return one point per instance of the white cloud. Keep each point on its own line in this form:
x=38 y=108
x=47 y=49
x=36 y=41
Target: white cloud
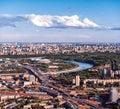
x=60 y=21
x=89 y=23
x=42 y=21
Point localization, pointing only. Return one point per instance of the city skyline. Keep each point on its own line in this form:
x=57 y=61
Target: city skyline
x=59 y=21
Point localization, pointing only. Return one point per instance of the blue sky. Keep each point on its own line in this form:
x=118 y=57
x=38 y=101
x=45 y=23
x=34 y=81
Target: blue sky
x=60 y=20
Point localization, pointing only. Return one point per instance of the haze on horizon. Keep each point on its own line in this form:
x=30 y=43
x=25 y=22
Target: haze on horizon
x=59 y=21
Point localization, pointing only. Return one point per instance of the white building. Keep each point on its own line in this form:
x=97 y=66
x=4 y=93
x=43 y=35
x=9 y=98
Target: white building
x=32 y=78
x=5 y=97
x=26 y=83
x=114 y=94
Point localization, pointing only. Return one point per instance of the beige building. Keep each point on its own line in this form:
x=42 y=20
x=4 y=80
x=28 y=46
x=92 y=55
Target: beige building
x=77 y=80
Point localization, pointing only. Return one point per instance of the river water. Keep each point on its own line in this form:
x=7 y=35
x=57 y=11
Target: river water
x=81 y=66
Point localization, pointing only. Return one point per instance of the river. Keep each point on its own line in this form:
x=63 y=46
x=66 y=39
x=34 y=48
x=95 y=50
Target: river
x=81 y=66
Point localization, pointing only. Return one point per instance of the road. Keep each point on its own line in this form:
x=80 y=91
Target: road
x=47 y=86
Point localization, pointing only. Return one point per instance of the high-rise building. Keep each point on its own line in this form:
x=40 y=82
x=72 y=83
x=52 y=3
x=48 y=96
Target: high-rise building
x=114 y=94
x=77 y=80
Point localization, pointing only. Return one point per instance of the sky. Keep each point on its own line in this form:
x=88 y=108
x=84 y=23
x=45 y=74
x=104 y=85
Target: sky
x=59 y=20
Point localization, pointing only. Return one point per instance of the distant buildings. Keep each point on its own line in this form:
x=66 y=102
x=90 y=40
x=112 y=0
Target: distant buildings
x=39 y=48
x=107 y=72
